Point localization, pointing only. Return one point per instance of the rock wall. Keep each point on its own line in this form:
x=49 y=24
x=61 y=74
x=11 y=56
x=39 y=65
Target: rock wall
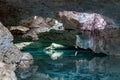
x=15 y=10
x=95 y=32
x=9 y=53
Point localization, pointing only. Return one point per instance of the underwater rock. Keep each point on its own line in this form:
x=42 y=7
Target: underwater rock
x=28 y=72
x=95 y=33
x=40 y=24
x=23 y=44
x=25 y=61
x=54 y=54
x=6 y=73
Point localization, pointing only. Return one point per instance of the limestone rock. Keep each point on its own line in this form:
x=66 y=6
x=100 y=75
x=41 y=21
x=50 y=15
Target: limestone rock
x=96 y=32
x=6 y=73
x=9 y=53
x=40 y=24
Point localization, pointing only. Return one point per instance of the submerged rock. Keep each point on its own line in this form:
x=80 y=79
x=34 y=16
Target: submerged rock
x=97 y=33
x=10 y=56
x=40 y=24
x=25 y=61
x=54 y=46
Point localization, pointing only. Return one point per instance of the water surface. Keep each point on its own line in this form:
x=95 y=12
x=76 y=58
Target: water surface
x=71 y=65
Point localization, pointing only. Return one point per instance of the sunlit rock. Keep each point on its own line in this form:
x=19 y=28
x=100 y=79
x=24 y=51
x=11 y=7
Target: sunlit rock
x=83 y=21
x=21 y=28
x=6 y=73
x=23 y=44
x=96 y=32
x=54 y=54
x=55 y=46
x=40 y=25
x=28 y=72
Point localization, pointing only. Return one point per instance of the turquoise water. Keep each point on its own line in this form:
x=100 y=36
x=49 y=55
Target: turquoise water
x=71 y=65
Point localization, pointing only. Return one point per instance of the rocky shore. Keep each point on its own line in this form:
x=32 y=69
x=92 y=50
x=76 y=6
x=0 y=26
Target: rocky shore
x=11 y=58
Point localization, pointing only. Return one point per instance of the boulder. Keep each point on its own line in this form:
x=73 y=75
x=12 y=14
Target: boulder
x=86 y=21
x=96 y=32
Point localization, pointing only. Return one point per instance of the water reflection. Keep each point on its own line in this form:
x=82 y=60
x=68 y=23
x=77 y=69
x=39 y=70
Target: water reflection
x=71 y=67
x=54 y=54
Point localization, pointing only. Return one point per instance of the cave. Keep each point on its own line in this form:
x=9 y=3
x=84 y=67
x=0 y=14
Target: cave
x=60 y=39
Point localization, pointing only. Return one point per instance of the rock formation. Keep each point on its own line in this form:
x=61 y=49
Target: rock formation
x=11 y=56
x=97 y=33
x=40 y=24
x=9 y=53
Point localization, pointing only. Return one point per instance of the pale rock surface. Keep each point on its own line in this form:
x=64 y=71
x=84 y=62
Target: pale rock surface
x=10 y=56
x=97 y=32
x=9 y=53
x=6 y=73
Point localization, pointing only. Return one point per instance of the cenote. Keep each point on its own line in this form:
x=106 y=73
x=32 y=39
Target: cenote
x=66 y=39
x=71 y=65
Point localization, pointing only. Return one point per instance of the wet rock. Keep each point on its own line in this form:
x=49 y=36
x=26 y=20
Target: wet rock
x=97 y=33
x=6 y=73
x=40 y=25
x=25 y=61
